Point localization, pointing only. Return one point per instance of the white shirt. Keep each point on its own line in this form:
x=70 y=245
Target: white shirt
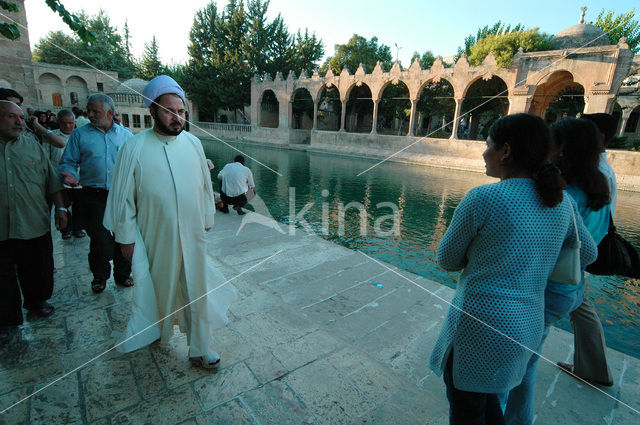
x=236 y=179
x=606 y=169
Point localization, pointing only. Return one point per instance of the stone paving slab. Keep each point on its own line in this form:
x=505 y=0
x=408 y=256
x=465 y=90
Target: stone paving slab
x=320 y=335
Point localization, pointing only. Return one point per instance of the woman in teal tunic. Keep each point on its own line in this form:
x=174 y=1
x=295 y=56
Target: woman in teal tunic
x=506 y=237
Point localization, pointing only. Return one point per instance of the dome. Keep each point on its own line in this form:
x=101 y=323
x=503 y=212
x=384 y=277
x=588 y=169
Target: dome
x=580 y=35
x=132 y=86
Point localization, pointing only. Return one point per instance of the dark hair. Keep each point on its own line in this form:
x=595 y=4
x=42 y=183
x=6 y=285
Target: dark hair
x=579 y=154
x=5 y=94
x=605 y=123
x=239 y=158
x=530 y=142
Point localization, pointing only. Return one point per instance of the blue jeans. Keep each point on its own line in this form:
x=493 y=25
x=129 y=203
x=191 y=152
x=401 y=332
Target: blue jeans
x=519 y=401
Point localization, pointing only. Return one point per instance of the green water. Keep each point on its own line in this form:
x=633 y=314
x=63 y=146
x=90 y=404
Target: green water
x=426 y=199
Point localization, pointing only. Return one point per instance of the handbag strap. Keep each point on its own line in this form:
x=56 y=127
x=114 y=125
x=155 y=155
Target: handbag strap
x=575 y=225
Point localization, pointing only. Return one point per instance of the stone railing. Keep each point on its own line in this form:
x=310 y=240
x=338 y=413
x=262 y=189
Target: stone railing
x=126 y=98
x=216 y=126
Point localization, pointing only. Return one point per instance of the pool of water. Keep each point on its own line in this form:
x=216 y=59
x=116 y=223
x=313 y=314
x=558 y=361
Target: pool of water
x=424 y=199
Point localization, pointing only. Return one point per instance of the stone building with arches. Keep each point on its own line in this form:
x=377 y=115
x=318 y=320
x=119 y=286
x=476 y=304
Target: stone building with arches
x=350 y=102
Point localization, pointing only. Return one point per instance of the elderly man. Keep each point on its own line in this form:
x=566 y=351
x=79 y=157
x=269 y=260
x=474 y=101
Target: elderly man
x=159 y=209
x=67 y=123
x=94 y=148
x=38 y=129
x=27 y=181
x=236 y=182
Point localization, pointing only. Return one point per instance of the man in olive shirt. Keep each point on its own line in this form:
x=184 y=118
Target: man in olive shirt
x=27 y=179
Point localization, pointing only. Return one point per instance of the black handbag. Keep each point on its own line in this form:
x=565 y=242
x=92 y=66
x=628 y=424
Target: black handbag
x=616 y=256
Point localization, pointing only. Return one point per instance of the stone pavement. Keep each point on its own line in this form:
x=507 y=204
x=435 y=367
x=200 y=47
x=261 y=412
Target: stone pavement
x=320 y=335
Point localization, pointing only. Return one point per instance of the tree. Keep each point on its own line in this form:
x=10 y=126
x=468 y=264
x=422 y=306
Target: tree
x=496 y=29
x=227 y=48
x=12 y=32
x=622 y=25
x=150 y=65
x=504 y=46
x=358 y=50
x=426 y=60
x=106 y=52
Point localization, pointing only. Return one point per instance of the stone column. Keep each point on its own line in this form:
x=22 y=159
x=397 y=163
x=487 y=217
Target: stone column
x=412 y=117
x=315 y=116
x=374 y=119
x=598 y=103
x=456 y=119
x=626 y=113
x=343 y=114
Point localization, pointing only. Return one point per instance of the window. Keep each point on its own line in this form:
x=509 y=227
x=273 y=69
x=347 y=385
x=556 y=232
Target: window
x=136 y=121
x=74 y=98
x=57 y=99
x=147 y=121
x=100 y=87
x=125 y=119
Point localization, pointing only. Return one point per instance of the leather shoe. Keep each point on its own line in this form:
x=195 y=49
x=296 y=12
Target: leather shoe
x=7 y=332
x=127 y=283
x=98 y=285
x=44 y=310
x=568 y=368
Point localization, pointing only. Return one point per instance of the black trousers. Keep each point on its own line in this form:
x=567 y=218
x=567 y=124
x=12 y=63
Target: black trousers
x=236 y=201
x=70 y=197
x=25 y=266
x=103 y=248
x=469 y=408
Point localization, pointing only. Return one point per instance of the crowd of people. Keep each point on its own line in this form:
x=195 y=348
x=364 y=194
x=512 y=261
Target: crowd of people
x=146 y=203
x=555 y=188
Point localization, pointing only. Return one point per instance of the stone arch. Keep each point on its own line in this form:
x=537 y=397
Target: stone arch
x=329 y=108
x=301 y=109
x=359 y=109
x=394 y=105
x=77 y=89
x=269 y=109
x=51 y=89
x=485 y=101
x=631 y=126
x=436 y=108
x=556 y=95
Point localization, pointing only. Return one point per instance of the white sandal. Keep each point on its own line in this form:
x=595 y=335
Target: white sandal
x=208 y=361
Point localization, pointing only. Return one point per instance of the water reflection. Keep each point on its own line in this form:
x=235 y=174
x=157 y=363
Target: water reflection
x=426 y=199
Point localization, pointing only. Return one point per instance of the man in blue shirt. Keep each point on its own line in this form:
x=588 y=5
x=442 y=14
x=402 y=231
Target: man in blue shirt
x=94 y=148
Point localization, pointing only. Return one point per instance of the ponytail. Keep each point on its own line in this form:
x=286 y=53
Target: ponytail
x=549 y=183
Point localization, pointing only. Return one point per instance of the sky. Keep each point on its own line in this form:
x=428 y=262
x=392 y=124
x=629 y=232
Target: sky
x=406 y=26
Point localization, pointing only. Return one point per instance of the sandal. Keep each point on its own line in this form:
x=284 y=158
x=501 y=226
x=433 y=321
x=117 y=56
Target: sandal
x=208 y=361
x=98 y=285
x=127 y=283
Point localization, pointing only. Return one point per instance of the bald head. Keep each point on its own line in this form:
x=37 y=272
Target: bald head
x=11 y=121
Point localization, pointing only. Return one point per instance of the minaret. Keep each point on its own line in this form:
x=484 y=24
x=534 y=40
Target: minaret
x=16 y=71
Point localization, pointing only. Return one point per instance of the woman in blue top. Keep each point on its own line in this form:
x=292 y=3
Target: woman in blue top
x=507 y=237
x=577 y=152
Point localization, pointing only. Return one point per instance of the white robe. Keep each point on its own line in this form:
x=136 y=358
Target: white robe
x=161 y=200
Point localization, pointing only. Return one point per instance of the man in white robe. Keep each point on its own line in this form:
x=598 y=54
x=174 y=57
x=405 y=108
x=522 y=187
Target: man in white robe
x=160 y=208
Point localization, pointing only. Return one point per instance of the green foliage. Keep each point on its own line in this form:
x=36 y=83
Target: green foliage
x=496 y=29
x=150 y=65
x=106 y=52
x=505 y=46
x=426 y=60
x=12 y=32
x=622 y=25
x=227 y=48
x=9 y=30
x=358 y=50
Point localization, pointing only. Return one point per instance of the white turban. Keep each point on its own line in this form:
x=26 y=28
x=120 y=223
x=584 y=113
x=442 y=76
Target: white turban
x=160 y=85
